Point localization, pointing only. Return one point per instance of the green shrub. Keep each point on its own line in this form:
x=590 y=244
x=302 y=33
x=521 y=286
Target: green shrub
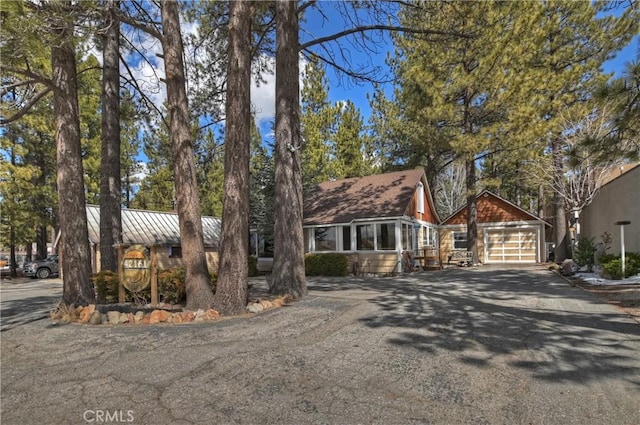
x=106 y=284
x=172 y=288
x=612 y=267
x=329 y=264
x=606 y=258
x=214 y=281
x=253 y=266
x=584 y=252
x=171 y=285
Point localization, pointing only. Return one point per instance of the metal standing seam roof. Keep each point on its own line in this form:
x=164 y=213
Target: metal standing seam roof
x=152 y=227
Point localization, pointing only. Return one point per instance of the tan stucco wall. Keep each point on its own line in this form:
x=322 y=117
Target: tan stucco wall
x=446 y=242
x=618 y=200
x=375 y=262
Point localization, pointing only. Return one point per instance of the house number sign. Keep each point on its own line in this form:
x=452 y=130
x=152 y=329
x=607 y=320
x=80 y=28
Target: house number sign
x=136 y=268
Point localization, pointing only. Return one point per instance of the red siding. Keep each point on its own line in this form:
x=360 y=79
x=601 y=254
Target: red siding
x=428 y=214
x=491 y=210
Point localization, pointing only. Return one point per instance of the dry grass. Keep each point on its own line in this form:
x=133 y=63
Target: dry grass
x=65 y=313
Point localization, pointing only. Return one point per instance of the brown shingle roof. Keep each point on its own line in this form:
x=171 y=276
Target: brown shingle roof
x=377 y=196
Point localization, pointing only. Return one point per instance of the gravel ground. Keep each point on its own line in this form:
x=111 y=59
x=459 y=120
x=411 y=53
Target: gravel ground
x=460 y=346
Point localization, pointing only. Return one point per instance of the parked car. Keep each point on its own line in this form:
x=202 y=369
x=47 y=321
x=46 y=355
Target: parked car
x=43 y=269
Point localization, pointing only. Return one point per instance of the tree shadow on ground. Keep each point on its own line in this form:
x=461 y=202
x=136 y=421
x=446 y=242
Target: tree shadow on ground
x=533 y=319
x=26 y=310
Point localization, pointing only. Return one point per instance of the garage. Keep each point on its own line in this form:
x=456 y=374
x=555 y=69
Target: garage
x=506 y=232
x=511 y=245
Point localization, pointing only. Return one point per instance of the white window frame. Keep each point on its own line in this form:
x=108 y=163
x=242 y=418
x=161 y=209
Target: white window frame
x=453 y=241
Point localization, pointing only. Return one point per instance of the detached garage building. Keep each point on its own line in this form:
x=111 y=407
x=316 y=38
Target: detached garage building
x=506 y=232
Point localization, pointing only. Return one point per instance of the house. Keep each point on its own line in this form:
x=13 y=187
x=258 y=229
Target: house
x=158 y=231
x=506 y=232
x=616 y=201
x=372 y=219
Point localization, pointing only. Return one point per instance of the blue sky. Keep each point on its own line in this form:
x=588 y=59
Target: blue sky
x=327 y=21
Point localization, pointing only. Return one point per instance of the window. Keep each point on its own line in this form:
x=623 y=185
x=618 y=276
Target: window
x=175 y=252
x=346 y=238
x=407 y=237
x=429 y=236
x=386 y=236
x=325 y=238
x=364 y=237
x=433 y=237
x=460 y=240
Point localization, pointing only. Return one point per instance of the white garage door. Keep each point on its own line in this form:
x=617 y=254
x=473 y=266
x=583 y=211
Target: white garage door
x=511 y=246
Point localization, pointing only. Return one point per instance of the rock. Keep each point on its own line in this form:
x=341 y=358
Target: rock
x=137 y=318
x=255 y=308
x=124 y=318
x=113 y=316
x=158 y=316
x=212 y=314
x=86 y=313
x=200 y=315
x=95 y=318
x=568 y=268
x=104 y=317
x=278 y=302
x=266 y=304
x=146 y=319
x=188 y=316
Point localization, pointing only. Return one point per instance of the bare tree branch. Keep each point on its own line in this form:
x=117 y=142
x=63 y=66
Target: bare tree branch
x=366 y=28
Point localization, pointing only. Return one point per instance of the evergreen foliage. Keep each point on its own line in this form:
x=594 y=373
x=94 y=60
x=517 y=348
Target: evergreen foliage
x=326 y=264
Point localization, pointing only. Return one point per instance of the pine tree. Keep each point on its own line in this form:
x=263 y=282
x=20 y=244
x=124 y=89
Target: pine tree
x=574 y=39
x=262 y=189
x=110 y=167
x=288 y=262
x=350 y=145
x=199 y=294
x=210 y=166
x=457 y=90
x=317 y=117
x=231 y=292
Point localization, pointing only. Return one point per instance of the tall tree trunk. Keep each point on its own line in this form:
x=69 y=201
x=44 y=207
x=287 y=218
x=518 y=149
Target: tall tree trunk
x=199 y=294
x=231 y=290
x=12 y=250
x=559 y=212
x=76 y=255
x=472 y=209
x=110 y=215
x=541 y=201
x=41 y=242
x=288 y=262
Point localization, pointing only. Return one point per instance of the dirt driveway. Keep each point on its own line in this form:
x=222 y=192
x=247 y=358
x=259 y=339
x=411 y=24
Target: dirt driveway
x=461 y=346
x=624 y=297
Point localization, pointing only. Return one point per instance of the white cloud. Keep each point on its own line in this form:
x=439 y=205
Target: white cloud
x=263 y=96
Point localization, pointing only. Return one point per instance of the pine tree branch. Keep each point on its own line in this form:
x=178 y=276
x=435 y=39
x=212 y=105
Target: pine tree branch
x=27 y=106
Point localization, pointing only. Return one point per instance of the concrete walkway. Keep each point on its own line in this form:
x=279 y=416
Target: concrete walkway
x=477 y=346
